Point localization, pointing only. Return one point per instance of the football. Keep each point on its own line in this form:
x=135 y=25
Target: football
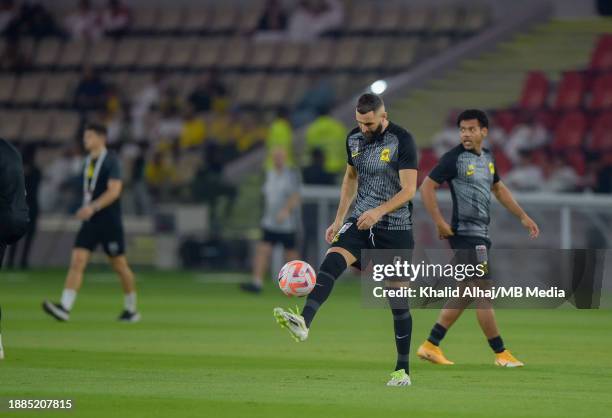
x=297 y=278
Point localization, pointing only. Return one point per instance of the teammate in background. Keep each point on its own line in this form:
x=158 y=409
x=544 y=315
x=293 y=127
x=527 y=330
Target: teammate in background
x=471 y=173
x=280 y=220
x=102 y=224
x=382 y=172
x=14 y=216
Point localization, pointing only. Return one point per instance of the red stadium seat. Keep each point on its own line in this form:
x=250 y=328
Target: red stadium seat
x=535 y=91
x=602 y=93
x=601 y=58
x=502 y=162
x=427 y=161
x=570 y=131
x=577 y=161
x=506 y=120
x=601 y=139
x=570 y=91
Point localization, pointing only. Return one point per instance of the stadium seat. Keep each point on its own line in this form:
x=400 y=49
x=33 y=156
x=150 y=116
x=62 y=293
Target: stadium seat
x=37 y=126
x=390 y=17
x=47 y=53
x=73 y=54
x=248 y=17
x=248 y=89
x=235 y=54
x=502 y=162
x=196 y=20
x=577 y=161
x=290 y=56
x=145 y=20
x=601 y=138
x=341 y=83
x=153 y=53
x=225 y=17
x=65 y=126
x=445 y=20
x=402 y=54
x=170 y=20
x=427 y=161
x=207 y=53
x=264 y=54
x=347 y=50
x=11 y=125
x=535 y=91
x=359 y=17
x=601 y=57
x=474 y=20
x=570 y=91
x=29 y=89
x=570 y=131
x=276 y=90
x=127 y=53
x=318 y=55
x=100 y=53
x=301 y=84
x=180 y=53
x=416 y=19
x=373 y=52
x=7 y=87
x=58 y=89
x=602 y=93
x=437 y=44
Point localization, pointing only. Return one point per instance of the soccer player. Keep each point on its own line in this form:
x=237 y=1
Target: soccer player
x=470 y=170
x=102 y=224
x=382 y=173
x=13 y=207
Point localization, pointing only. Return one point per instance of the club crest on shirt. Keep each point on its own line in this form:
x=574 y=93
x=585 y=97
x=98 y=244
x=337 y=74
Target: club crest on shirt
x=491 y=168
x=470 y=170
x=385 y=155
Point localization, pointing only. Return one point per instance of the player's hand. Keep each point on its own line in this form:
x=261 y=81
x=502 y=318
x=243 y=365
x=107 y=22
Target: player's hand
x=282 y=215
x=531 y=226
x=85 y=213
x=331 y=232
x=369 y=218
x=444 y=230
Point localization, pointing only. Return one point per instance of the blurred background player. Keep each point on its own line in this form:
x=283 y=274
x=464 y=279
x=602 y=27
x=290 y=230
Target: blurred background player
x=13 y=208
x=471 y=173
x=280 y=220
x=382 y=173
x=102 y=224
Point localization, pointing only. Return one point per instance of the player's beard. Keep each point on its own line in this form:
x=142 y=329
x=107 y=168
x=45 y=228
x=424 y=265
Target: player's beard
x=373 y=136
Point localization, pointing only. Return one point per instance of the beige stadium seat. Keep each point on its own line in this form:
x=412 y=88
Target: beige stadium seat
x=11 y=125
x=360 y=16
x=389 y=16
x=37 y=126
x=29 y=89
x=7 y=87
x=290 y=55
x=72 y=54
x=180 y=53
x=100 y=53
x=145 y=19
x=402 y=54
x=276 y=90
x=196 y=20
x=28 y=46
x=48 y=52
x=346 y=54
x=58 y=89
x=235 y=53
x=318 y=55
x=134 y=83
x=153 y=53
x=341 y=85
x=474 y=19
x=127 y=53
x=416 y=19
x=248 y=91
x=207 y=53
x=264 y=54
x=170 y=19
x=439 y=43
x=225 y=17
x=65 y=127
x=373 y=52
x=445 y=19
x=249 y=15
x=300 y=85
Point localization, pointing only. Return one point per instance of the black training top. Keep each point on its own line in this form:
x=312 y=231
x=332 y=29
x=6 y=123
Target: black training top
x=110 y=170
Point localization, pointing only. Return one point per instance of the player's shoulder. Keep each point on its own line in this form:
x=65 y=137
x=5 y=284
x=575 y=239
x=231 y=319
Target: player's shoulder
x=453 y=153
x=354 y=133
x=401 y=133
x=112 y=156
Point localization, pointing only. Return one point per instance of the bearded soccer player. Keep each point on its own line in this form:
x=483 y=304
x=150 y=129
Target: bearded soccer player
x=14 y=213
x=382 y=173
x=470 y=170
x=102 y=225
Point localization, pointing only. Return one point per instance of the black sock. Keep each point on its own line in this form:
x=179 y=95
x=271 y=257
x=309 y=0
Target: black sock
x=331 y=268
x=437 y=334
x=402 y=324
x=497 y=344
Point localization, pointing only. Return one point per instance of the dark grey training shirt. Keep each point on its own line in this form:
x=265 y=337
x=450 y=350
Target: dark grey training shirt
x=378 y=162
x=470 y=177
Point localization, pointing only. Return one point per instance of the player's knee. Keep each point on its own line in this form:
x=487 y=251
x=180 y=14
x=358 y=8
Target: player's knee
x=334 y=265
x=118 y=263
x=78 y=262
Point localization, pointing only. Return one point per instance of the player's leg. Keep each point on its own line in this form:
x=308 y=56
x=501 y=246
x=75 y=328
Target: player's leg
x=263 y=252
x=74 y=279
x=128 y=284
x=2 y=248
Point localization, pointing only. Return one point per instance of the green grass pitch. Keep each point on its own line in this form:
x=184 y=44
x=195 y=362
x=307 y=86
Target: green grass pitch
x=205 y=350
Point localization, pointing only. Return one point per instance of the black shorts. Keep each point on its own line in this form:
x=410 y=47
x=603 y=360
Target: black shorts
x=471 y=250
x=110 y=235
x=286 y=239
x=354 y=240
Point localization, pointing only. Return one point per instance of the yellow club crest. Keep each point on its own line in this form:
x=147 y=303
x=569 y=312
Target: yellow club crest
x=492 y=168
x=470 y=170
x=384 y=155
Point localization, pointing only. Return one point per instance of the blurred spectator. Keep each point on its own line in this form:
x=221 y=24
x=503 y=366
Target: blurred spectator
x=13 y=58
x=144 y=101
x=313 y=18
x=160 y=175
x=329 y=135
x=316 y=100
x=526 y=175
x=315 y=173
x=61 y=185
x=273 y=21
x=193 y=131
x=8 y=12
x=525 y=137
x=142 y=202
x=560 y=176
x=32 y=19
x=85 y=22
x=280 y=220
x=603 y=176
x=250 y=133
x=116 y=18
x=280 y=135
x=91 y=92
x=447 y=138
x=33 y=177
x=170 y=124
x=210 y=93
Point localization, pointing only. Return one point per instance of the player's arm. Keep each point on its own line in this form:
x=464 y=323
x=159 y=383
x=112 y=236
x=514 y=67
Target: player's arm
x=408 y=180
x=430 y=201
x=112 y=193
x=504 y=196
x=293 y=201
x=347 y=195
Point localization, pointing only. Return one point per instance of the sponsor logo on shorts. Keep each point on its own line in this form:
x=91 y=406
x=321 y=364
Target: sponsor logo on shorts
x=342 y=231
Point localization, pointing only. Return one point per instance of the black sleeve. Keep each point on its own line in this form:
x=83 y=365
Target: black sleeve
x=495 y=172
x=407 y=153
x=445 y=170
x=349 y=157
x=114 y=170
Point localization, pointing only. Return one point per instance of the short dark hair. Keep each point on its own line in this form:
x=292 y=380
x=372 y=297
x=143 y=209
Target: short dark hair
x=369 y=102
x=471 y=114
x=97 y=127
